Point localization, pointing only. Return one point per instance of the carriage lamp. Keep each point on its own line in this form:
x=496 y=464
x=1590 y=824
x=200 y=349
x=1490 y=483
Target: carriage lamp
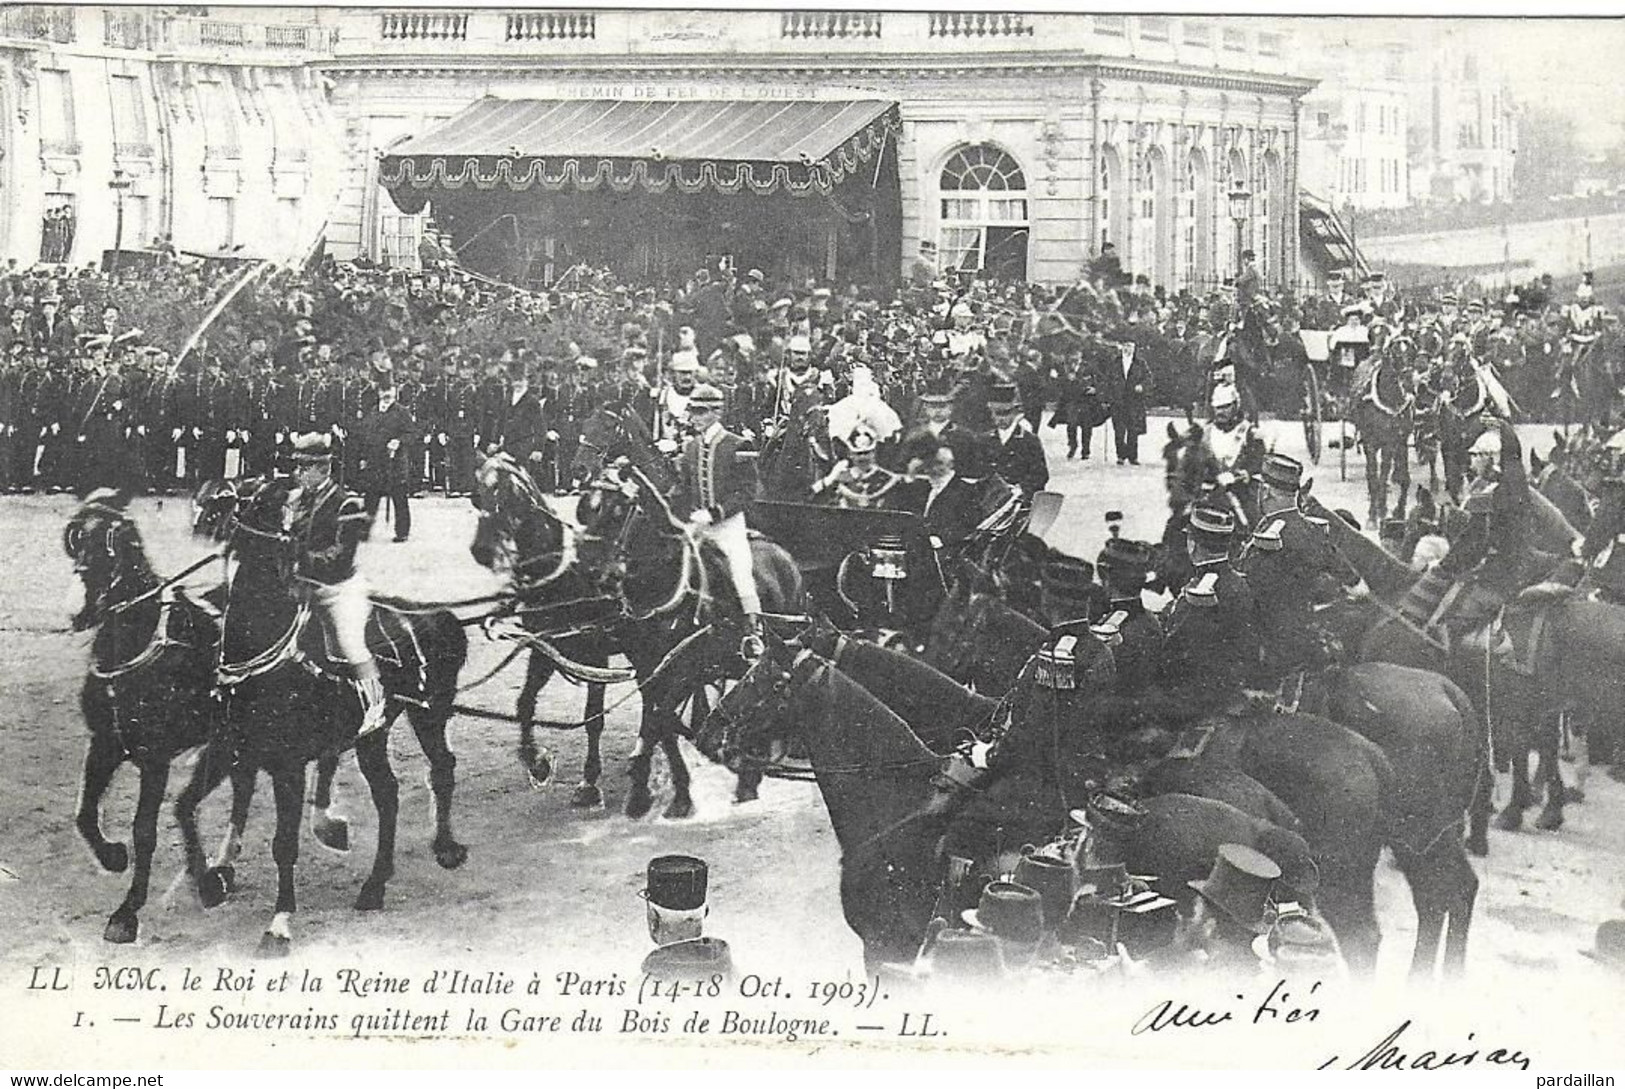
x=1240 y=202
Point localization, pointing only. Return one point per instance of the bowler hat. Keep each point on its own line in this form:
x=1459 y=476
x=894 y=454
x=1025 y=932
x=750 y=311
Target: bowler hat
x=1281 y=471
x=1241 y=885
x=1610 y=944
x=677 y=882
x=1011 y=912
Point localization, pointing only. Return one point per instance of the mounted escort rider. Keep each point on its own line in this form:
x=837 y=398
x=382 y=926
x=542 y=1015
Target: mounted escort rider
x=717 y=482
x=1287 y=561
x=329 y=524
x=1211 y=650
x=1490 y=560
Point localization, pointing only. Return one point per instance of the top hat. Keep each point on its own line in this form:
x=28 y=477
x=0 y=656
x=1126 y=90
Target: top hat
x=312 y=446
x=1011 y=912
x=677 y=882
x=1113 y=812
x=965 y=955
x=1206 y=519
x=937 y=391
x=1240 y=885
x=1004 y=397
x=693 y=960
x=1103 y=880
x=1130 y=558
x=1281 y=471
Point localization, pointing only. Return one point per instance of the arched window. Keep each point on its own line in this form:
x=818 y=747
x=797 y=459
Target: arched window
x=1153 y=216
x=1272 y=260
x=983 y=205
x=1194 y=219
x=1111 y=196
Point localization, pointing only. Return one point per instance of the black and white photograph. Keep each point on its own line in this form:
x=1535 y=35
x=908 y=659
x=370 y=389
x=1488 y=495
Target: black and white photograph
x=723 y=537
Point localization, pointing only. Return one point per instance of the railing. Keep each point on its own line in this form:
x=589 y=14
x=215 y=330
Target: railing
x=214 y=33
x=550 y=26
x=829 y=24
x=418 y=26
x=40 y=23
x=293 y=37
x=979 y=24
x=126 y=30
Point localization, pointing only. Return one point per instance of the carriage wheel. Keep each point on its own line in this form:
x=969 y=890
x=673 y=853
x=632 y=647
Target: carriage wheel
x=1311 y=413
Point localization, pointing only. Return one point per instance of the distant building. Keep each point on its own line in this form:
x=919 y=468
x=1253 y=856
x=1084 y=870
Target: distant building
x=1463 y=117
x=212 y=129
x=1355 y=121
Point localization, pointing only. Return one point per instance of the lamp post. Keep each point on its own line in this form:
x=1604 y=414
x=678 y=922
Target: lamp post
x=119 y=184
x=1240 y=203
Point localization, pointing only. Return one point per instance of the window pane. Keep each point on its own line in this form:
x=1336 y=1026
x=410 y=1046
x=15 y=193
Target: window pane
x=1007 y=210
x=56 y=106
x=129 y=117
x=961 y=247
x=960 y=208
x=219 y=119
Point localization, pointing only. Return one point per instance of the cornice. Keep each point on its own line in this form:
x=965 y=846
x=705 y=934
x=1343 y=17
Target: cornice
x=1086 y=66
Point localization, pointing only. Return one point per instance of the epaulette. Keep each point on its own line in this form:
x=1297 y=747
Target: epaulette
x=1110 y=630
x=1267 y=538
x=1204 y=592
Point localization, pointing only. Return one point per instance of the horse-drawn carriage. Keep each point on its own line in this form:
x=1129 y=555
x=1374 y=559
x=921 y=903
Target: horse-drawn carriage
x=1278 y=372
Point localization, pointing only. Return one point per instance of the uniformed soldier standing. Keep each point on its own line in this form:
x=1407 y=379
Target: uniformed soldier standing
x=1286 y=562
x=716 y=485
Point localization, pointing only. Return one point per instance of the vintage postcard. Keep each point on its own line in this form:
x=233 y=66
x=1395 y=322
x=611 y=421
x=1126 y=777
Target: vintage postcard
x=722 y=537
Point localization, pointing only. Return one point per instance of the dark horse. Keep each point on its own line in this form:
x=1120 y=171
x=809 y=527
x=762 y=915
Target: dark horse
x=1424 y=724
x=1382 y=406
x=147 y=697
x=1580 y=667
x=282 y=705
x=564 y=617
x=676 y=601
x=878 y=779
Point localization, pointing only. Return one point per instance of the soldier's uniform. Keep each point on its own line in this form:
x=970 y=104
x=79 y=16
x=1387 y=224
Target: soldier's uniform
x=1212 y=642
x=865 y=486
x=1285 y=562
x=1132 y=631
x=1234 y=441
x=715 y=486
x=462 y=417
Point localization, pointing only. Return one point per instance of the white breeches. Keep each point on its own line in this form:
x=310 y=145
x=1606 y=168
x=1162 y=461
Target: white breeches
x=730 y=536
x=347 y=607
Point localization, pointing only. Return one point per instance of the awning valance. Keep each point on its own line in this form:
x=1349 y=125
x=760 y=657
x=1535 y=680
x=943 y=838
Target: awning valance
x=803 y=148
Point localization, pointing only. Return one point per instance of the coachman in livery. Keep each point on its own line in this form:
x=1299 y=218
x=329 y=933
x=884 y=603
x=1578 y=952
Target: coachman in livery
x=329 y=524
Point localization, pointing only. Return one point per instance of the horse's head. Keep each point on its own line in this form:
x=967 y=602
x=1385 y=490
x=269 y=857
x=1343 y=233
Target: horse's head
x=107 y=555
x=258 y=532
x=753 y=723
x=608 y=507
x=1188 y=464
x=516 y=525
x=602 y=435
x=213 y=508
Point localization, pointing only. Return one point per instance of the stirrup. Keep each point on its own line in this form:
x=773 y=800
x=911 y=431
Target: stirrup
x=751 y=647
x=374 y=702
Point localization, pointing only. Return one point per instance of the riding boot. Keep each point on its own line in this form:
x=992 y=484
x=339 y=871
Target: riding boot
x=751 y=647
x=371 y=690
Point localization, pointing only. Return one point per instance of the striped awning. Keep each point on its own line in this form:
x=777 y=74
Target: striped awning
x=803 y=147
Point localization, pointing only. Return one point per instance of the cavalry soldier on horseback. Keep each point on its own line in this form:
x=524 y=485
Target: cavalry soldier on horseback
x=1212 y=642
x=329 y=523
x=1133 y=632
x=1285 y=561
x=1491 y=558
x=671 y=403
x=717 y=484
x=1234 y=441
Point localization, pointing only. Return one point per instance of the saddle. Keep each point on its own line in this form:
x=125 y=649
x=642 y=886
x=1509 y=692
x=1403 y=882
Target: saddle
x=393 y=643
x=717 y=593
